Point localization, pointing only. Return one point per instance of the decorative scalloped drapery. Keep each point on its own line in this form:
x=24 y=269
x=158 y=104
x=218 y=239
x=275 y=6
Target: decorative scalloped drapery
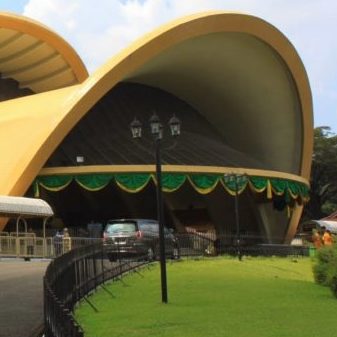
x=202 y=183
x=131 y=183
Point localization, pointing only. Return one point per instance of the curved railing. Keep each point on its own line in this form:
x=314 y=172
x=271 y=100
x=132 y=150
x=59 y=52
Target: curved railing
x=70 y=278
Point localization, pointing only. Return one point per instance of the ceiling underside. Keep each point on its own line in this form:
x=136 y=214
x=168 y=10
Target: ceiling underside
x=32 y=62
x=243 y=88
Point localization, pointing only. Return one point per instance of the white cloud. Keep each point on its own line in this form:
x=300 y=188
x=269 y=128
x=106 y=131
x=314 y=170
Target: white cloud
x=98 y=30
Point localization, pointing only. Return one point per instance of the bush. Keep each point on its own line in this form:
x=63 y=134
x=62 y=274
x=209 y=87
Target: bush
x=324 y=265
x=325 y=268
x=332 y=274
x=333 y=285
x=320 y=273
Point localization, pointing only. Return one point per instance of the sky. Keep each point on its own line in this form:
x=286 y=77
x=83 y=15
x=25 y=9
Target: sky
x=99 y=29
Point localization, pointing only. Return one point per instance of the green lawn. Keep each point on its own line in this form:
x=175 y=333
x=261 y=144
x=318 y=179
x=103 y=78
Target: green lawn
x=216 y=297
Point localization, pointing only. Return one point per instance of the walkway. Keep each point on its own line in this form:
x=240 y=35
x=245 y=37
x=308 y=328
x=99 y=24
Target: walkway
x=21 y=296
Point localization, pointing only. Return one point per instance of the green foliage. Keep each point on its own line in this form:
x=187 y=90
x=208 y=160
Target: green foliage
x=264 y=297
x=333 y=284
x=325 y=258
x=320 y=273
x=323 y=181
x=328 y=207
x=325 y=268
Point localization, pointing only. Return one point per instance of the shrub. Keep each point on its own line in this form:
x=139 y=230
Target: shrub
x=320 y=273
x=332 y=274
x=323 y=269
x=333 y=285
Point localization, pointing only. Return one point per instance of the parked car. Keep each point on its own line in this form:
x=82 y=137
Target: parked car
x=137 y=237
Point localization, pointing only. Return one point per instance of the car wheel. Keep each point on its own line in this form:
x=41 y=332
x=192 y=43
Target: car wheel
x=150 y=254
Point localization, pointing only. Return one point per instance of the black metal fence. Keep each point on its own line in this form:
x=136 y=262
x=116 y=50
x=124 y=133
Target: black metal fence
x=72 y=276
x=197 y=244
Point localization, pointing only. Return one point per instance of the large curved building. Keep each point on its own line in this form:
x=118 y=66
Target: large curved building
x=236 y=83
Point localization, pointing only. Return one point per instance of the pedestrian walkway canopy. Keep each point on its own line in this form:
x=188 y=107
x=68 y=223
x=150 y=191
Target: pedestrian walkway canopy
x=24 y=207
x=319 y=224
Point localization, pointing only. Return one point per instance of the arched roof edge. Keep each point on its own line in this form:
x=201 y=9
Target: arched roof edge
x=166 y=36
x=32 y=27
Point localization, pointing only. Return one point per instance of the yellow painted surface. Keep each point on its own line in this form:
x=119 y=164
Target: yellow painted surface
x=24 y=43
x=169 y=168
x=27 y=135
x=294 y=220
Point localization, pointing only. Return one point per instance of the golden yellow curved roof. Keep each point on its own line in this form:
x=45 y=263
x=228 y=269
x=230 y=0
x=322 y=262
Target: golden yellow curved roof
x=36 y=57
x=278 y=93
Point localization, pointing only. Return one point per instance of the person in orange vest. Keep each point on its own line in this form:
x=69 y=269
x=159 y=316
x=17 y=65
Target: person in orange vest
x=327 y=238
x=316 y=239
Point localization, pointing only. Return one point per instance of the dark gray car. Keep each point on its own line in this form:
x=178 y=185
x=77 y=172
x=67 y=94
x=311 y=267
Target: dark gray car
x=137 y=237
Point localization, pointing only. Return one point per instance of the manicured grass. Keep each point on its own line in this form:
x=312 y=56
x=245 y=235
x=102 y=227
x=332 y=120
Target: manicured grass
x=265 y=297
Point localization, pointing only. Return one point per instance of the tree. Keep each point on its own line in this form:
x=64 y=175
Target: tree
x=323 y=190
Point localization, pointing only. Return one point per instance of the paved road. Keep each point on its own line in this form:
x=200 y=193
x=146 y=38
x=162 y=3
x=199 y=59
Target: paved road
x=21 y=296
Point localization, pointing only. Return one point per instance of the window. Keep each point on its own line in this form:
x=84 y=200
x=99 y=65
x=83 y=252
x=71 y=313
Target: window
x=121 y=227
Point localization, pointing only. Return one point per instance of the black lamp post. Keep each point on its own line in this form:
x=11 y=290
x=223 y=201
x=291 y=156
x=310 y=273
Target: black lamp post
x=157 y=132
x=238 y=180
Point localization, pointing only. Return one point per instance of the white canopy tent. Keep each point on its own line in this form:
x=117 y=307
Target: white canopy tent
x=23 y=208
x=318 y=224
x=330 y=225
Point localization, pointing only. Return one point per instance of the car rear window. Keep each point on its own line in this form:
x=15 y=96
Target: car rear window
x=120 y=227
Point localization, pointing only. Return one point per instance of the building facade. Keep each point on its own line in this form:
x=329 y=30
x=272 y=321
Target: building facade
x=235 y=82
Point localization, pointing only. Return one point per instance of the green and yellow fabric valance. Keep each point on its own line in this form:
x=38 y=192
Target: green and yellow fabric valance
x=202 y=183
